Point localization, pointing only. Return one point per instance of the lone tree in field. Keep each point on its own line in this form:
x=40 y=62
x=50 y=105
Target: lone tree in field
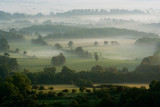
x=96 y=56
x=82 y=53
x=58 y=60
x=70 y=44
x=24 y=52
x=95 y=43
x=4 y=44
x=17 y=50
x=39 y=41
x=58 y=46
x=106 y=43
x=114 y=43
x=6 y=54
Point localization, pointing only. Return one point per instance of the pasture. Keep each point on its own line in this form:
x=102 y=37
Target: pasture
x=124 y=55
x=35 y=65
x=60 y=87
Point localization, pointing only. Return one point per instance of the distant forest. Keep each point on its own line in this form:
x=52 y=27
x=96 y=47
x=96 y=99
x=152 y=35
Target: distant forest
x=11 y=36
x=63 y=31
x=8 y=16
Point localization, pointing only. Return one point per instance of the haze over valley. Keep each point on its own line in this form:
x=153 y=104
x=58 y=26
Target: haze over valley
x=79 y=53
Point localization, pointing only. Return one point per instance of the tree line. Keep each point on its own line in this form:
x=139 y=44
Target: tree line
x=97 y=74
x=17 y=91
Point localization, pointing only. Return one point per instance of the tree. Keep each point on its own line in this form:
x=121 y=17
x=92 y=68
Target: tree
x=74 y=104
x=4 y=71
x=95 y=43
x=50 y=70
x=83 y=83
x=107 y=101
x=8 y=91
x=65 y=90
x=11 y=62
x=4 y=44
x=24 y=52
x=6 y=54
x=39 y=41
x=21 y=82
x=70 y=44
x=74 y=90
x=114 y=43
x=58 y=46
x=154 y=85
x=35 y=87
x=17 y=50
x=82 y=53
x=41 y=87
x=97 y=68
x=58 y=60
x=81 y=89
x=96 y=56
x=51 y=88
x=88 y=91
x=106 y=43
x=60 y=94
x=16 y=91
x=81 y=99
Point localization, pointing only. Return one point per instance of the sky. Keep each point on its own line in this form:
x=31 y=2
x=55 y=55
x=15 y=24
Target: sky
x=46 y=6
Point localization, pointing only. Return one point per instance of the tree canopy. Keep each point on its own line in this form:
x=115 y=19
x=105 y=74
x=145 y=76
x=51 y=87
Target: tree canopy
x=58 y=60
x=4 y=46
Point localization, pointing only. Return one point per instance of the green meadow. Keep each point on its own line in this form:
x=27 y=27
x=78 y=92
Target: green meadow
x=124 y=55
x=35 y=65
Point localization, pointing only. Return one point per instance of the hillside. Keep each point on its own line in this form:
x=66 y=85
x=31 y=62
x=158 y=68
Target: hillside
x=11 y=36
x=63 y=31
x=49 y=28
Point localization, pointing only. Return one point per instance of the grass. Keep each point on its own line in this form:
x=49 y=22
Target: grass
x=69 y=97
x=63 y=101
x=109 y=56
x=135 y=85
x=35 y=65
x=60 y=87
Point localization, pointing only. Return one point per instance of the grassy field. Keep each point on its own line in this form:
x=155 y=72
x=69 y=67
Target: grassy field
x=120 y=56
x=60 y=87
x=69 y=96
x=35 y=65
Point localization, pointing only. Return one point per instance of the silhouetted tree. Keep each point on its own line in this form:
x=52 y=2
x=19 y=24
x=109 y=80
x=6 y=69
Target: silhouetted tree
x=96 y=56
x=58 y=60
x=24 y=52
x=106 y=43
x=81 y=89
x=95 y=43
x=114 y=43
x=6 y=54
x=97 y=68
x=4 y=44
x=83 y=83
x=39 y=41
x=17 y=50
x=58 y=46
x=70 y=44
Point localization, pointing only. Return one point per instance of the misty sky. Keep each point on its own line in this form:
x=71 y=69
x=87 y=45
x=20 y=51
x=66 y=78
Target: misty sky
x=45 y=6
